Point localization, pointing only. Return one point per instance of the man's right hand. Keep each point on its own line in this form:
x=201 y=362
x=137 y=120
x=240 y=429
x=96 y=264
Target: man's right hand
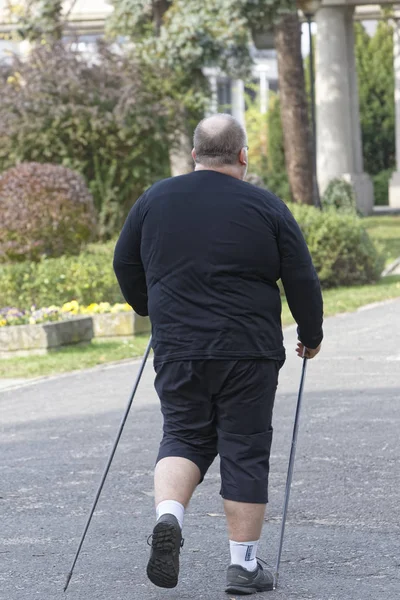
x=304 y=352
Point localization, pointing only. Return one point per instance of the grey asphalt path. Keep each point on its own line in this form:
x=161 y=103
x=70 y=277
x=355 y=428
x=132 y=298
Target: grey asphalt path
x=6 y=384
x=342 y=540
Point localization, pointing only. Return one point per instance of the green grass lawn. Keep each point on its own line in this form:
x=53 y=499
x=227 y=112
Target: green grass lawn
x=348 y=299
x=385 y=232
x=71 y=358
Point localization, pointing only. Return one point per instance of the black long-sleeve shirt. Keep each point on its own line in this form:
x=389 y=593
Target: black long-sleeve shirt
x=202 y=254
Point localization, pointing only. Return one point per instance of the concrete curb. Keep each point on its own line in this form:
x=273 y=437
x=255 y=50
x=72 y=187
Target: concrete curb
x=45 y=378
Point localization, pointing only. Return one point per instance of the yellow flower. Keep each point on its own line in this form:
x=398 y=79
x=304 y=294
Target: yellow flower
x=94 y=308
x=71 y=307
x=104 y=307
x=3 y=322
x=120 y=308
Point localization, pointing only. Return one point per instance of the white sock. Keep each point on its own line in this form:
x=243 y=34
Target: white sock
x=244 y=554
x=171 y=507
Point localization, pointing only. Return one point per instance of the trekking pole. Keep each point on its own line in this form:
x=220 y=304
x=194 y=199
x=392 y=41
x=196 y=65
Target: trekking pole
x=290 y=469
x=135 y=387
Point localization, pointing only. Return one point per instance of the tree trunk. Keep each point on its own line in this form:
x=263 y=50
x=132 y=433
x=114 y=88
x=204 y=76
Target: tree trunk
x=294 y=110
x=160 y=7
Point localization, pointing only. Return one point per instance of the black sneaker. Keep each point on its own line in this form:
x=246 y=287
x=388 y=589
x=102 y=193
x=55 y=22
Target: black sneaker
x=163 y=565
x=242 y=582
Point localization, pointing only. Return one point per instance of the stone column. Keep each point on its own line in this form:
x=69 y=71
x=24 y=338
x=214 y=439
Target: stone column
x=212 y=76
x=394 y=186
x=264 y=92
x=339 y=150
x=238 y=101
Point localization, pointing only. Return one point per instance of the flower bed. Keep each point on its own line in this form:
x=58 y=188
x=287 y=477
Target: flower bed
x=34 y=316
x=37 y=330
x=22 y=340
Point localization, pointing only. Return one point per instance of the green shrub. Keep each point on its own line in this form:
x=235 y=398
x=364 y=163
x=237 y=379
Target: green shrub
x=100 y=114
x=257 y=135
x=339 y=195
x=45 y=210
x=341 y=249
x=278 y=184
x=381 y=187
x=255 y=179
x=86 y=278
x=276 y=149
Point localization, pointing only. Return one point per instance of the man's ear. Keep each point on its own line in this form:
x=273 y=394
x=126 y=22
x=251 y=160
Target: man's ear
x=243 y=157
x=194 y=155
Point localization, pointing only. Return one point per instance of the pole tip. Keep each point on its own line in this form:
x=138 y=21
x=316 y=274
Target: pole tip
x=276 y=580
x=68 y=580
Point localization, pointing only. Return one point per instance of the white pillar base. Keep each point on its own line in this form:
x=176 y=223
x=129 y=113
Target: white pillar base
x=394 y=190
x=238 y=100
x=363 y=190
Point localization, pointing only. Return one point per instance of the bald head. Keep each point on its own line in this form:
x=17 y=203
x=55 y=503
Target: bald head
x=218 y=141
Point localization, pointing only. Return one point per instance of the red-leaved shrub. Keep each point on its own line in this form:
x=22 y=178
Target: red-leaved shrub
x=45 y=210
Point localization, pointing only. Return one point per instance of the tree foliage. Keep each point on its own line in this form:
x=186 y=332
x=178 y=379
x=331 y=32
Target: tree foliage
x=38 y=20
x=257 y=135
x=187 y=37
x=266 y=147
x=374 y=57
x=105 y=118
x=276 y=151
x=184 y=37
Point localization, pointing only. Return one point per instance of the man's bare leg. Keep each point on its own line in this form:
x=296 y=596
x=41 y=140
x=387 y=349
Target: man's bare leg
x=245 y=523
x=175 y=479
x=245 y=574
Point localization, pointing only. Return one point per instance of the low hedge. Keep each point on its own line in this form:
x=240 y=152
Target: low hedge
x=341 y=249
x=339 y=195
x=381 y=183
x=86 y=278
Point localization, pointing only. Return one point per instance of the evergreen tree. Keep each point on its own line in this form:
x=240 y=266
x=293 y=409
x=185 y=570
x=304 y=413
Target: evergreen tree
x=374 y=57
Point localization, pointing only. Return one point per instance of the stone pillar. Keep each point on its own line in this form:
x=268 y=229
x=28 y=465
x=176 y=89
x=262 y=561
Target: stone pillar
x=238 y=101
x=339 y=149
x=264 y=92
x=394 y=186
x=212 y=76
x=358 y=164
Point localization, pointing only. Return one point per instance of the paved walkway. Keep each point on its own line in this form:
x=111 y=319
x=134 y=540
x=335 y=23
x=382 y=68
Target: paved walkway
x=342 y=539
x=6 y=384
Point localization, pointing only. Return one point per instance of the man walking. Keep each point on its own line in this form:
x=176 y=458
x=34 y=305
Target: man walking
x=202 y=254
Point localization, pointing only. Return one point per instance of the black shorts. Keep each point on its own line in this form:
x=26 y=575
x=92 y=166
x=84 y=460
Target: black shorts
x=221 y=407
